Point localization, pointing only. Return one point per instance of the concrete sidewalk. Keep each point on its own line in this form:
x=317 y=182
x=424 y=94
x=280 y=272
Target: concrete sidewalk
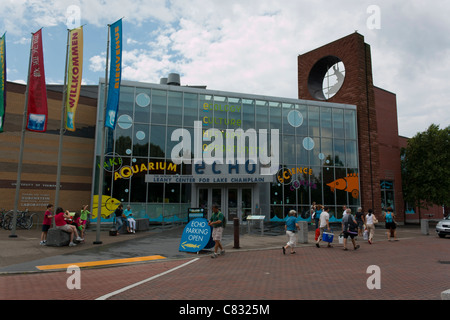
x=24 y=253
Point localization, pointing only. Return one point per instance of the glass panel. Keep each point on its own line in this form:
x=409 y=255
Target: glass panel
x=314 y=124
x=142 y=105
x=338 y=123
x=126 y=101
x=316 y=185
x=157 y=141
x=288 y=126
x=170 y=144
x=276 y=193
x=190 y=109
x=341 y=195
x=328 y=195
x=302 y=153
x=175 y=108
x=248 y=109
x=155 y=192
x=325 y=120
x=303 y=129
x=289 y=195
x=350 y=124
x=234 y=113
x=203 y=199
x=339 y=153
x=138 y=188
x=262 y=115
x=232 y=204
x=326 y=156
x=207 y=111
x=220 y=112
x=276 y=212
x=351 y=157
x=172 y=193
x=288 y=149
x=217 y=197
x=159 y=107
x=123 y=141
x=141 y=140
x=275 y=116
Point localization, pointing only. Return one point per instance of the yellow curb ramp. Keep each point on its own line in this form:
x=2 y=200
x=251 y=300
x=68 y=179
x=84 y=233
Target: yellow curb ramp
x=98 y=263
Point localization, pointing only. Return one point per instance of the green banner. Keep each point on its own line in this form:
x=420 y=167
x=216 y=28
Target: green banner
x=2 y=81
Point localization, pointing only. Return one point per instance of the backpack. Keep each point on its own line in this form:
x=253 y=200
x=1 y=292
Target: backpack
x=352 y=225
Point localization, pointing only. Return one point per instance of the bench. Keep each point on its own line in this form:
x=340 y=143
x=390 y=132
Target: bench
x=142 y=224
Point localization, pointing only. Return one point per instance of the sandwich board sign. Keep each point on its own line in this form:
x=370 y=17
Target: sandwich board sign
x=197 y=235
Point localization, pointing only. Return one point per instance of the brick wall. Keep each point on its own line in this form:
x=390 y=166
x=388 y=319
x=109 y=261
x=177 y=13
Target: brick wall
x=357 y=90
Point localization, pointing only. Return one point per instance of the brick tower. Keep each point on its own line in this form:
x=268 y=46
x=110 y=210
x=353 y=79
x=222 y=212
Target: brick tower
x=357 y=89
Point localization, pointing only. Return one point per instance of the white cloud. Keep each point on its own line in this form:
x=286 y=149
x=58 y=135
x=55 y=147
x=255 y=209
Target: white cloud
x=252 y=46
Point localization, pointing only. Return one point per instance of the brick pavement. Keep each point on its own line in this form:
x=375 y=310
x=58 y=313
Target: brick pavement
x=410 y=270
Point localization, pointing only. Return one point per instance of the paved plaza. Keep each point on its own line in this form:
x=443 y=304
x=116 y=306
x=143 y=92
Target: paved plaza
x=416 y=267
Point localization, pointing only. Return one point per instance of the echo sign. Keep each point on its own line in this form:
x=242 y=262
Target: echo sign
x=196 y=236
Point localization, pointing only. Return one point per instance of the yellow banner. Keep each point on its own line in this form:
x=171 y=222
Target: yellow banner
x=74 y=75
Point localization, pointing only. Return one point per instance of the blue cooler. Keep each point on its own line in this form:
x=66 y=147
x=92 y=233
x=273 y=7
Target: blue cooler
x=327 y=237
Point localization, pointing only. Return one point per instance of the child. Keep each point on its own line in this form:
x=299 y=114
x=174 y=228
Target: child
x=78 y=224
x=83 y=218
x=46 y=224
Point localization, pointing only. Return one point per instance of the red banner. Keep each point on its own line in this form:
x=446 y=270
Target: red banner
x=37 y=91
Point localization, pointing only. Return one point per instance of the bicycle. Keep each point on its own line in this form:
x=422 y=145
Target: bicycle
x=24 y=220
x=2 y=217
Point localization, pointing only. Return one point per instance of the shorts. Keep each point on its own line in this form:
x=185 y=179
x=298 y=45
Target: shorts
x=217 y=233
x=391 y=225
x=346 y=234
x=65 y=228
x=45 y=227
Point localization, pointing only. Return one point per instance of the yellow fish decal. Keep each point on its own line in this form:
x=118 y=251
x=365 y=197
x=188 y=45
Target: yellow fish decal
x=190 y=245
x=109 y=205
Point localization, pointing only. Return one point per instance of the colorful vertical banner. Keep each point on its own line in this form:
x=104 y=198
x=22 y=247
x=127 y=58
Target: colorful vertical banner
x=37 y=91
x=115 y=74
x=2 y=81
x=74 y=76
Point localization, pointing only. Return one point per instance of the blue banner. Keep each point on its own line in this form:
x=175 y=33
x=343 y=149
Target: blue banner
x=115 y=75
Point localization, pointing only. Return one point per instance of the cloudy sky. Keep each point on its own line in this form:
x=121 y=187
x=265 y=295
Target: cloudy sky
x=248 y=46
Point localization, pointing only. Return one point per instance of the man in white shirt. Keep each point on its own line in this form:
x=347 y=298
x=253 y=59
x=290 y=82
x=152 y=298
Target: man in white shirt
x=324 y=224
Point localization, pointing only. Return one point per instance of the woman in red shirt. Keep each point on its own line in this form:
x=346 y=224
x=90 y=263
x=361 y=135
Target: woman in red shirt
x=60 y=223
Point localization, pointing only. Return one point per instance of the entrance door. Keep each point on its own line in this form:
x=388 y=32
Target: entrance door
x=234 y=202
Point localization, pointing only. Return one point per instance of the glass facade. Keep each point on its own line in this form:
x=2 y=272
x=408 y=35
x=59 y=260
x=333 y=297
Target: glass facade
x=318 y=153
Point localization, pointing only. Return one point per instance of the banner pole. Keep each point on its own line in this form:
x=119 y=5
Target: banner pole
x=102 y=150
x=22 y=143
x=61 y=130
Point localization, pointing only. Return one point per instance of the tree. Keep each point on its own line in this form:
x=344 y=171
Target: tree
x=426 y=168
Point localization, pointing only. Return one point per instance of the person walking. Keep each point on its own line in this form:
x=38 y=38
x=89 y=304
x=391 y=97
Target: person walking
x=216 y=222
x=370 y=224
x=350 y=228
x=389 y=218
x=360 y=220
x=324 y=225
x=291 y=228
x=319 y=208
